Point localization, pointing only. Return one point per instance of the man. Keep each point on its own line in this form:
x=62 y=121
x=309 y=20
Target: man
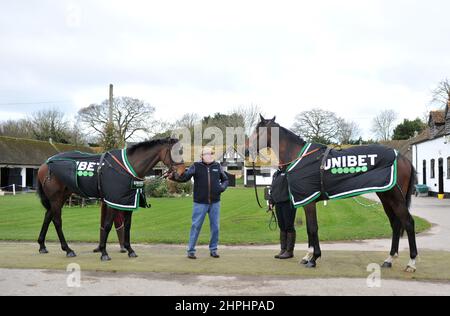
x=210 y=181
x=279 y=198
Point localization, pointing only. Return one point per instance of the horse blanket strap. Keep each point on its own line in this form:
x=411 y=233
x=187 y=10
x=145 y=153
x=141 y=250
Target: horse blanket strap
x=337 y=174
x=102 y=177
x=99 y=175
x=322 y=173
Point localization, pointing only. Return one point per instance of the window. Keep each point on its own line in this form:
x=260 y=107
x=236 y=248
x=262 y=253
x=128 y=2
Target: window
x=433 y=169
x=448 y=167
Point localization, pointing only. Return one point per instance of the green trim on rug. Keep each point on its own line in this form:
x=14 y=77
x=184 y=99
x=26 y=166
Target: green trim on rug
x=299 y=156
x=128 y=163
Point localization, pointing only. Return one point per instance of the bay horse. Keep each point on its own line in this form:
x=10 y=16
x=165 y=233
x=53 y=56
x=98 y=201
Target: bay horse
x=53 y=193
x=396 y=202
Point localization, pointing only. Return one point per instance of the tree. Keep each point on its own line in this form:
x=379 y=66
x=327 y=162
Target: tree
x=130 y=116
x=383 y=125
x=50 y=124
x=347 y=131
x=19 y=129
x=188 y=120
x=408 y=128
x=317 y=126
x=441 y=95
x=249 y=115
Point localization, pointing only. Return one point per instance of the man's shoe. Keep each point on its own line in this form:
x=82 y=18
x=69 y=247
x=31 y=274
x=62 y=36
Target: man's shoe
x=191 y=256
x=215 y=255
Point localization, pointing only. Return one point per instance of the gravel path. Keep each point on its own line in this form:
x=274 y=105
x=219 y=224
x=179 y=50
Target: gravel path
x=37 y=282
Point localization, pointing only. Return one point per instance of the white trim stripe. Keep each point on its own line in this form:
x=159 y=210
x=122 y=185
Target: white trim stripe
x=126 y=206
x=368 y=189
x=125 y=162
x=305 y=200
x=300 y=158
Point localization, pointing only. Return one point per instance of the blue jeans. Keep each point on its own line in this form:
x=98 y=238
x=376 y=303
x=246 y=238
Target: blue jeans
x=198 y=217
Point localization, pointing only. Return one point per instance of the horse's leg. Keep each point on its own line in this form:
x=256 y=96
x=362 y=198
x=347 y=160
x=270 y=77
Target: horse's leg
x=313 y=228
x=396 y=226
x=57 y=221
x=397 y=202
x=102 y=223
x=47 y=220
x=109 y=220
x=127 y=243
x=310 y=253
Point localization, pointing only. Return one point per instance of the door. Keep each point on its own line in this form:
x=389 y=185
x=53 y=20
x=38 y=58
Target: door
x=3 y=177
x=441 y=176
x=31 y=178
x=424 y=172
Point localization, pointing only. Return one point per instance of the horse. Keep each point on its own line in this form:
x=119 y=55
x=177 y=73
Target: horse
x=53 y=193
x=396 y=202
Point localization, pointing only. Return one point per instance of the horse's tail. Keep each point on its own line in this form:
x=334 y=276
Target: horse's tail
x=412 y=183
x=44 y=199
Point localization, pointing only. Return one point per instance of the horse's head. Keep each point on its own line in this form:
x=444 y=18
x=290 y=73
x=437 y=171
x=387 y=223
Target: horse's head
x=262 y=131
x=172 y=156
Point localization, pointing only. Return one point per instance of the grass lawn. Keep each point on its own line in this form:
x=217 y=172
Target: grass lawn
x=169 y=219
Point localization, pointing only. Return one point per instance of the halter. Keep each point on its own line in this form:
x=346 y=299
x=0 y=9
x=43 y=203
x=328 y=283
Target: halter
x=172 y=165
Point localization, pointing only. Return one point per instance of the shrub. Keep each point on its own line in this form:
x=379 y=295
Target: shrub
x=158 y=188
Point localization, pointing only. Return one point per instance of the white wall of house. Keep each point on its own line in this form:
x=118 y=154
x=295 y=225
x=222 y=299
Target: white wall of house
x=432 y=149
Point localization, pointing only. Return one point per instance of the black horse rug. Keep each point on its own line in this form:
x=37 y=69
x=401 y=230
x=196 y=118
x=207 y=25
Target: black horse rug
x=108 y=176
x=338 y=174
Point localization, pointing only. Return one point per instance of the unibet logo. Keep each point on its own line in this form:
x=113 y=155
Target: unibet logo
x=350 y=164
x=86 y=169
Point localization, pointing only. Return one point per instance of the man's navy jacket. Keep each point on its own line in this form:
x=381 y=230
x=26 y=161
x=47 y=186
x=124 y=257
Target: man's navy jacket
x=210 y=181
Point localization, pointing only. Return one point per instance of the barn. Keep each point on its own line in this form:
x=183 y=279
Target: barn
x=20 y=160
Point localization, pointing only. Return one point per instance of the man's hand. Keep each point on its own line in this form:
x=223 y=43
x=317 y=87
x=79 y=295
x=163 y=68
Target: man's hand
x=270 y=207
x=173 y=176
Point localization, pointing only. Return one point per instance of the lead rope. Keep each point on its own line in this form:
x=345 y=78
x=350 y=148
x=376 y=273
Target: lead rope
x=365 y=205
x=273 y=222
x=256 y=188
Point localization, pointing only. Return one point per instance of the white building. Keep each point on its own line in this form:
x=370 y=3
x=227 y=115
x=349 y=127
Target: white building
x=431 y=154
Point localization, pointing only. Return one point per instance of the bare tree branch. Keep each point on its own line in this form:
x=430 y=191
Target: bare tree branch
x=317 y=125
x=383 y=125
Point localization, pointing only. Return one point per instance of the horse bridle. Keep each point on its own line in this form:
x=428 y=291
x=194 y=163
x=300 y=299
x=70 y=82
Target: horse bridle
x=173 y=164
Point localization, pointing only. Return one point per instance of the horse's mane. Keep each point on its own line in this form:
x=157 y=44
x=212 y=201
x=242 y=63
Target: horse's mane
x=290 y=134
x=152 y=143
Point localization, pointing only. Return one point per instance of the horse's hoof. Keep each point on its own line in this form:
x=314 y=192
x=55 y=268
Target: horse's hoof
x=311 y=265
x=304 y=262
x=123 y=250
x=43 y=251
x=387 y=265
x=132 y=255
x=105 y=258
x=71 y=254
x=96 y=250
x=410 y=269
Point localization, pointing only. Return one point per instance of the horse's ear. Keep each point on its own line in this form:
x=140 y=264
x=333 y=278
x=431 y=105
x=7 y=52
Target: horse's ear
x=262 y=118
x=274 y=118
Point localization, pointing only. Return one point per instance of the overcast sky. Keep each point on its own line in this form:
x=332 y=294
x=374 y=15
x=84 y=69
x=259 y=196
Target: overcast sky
x=352 y=57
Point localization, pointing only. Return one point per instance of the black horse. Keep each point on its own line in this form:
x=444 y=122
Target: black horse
x=53 y=193
x=396 y=202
